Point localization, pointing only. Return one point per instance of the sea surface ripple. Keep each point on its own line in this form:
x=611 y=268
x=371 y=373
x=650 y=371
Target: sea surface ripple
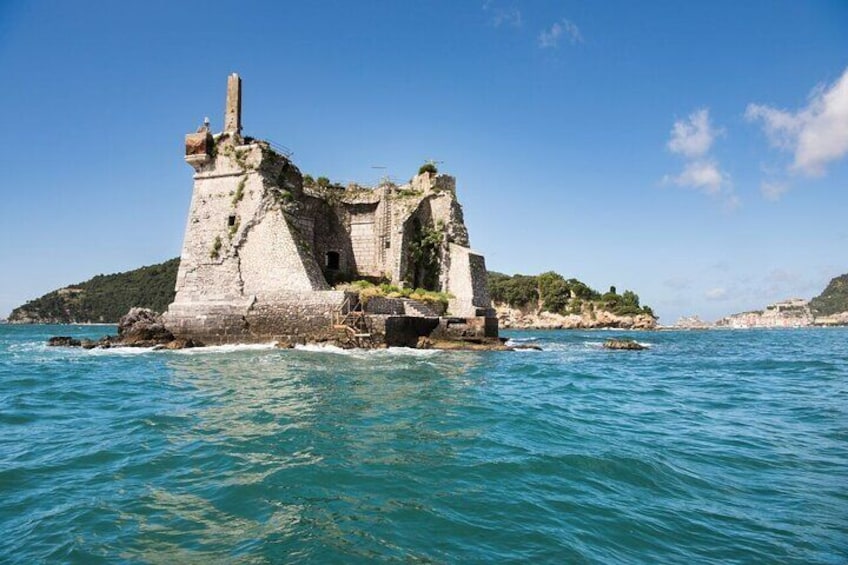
x=708 y=447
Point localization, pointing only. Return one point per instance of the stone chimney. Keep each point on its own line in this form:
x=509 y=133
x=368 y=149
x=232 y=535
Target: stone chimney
x=232 y=116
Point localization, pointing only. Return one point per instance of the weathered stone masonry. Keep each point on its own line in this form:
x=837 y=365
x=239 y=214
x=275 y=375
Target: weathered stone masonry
x=262 y=248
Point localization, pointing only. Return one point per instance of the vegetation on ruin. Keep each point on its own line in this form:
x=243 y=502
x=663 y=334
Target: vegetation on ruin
x=408 y=193
x=105 y=298
x=240 y=157
x=551 y=292
x=424 y=255
x=368 y=289
x=281 y=195
x=428 y=168
x=236 y=156
x=239 y=193
x=834 y=298
x=321 y=182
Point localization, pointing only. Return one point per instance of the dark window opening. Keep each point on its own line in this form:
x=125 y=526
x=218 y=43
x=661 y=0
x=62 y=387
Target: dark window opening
x=231 y=221
x=332 y=260
x=388 y=244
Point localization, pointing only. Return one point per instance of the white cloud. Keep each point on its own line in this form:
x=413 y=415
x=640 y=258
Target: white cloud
x=510 y=17
x=773 y=190
x=703 y=175
x=718 y=293
x=550 y=38
x=693 y=136
x=816 y=134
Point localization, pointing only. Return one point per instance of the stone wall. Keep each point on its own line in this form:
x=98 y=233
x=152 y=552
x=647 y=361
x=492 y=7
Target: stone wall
x=380 y=305
x=240 y=240
x=363 y=239
x=208 y=322
x=288 y=317
x=467 y=282
x=476 y=327
x=295 y=317
x=404 y=331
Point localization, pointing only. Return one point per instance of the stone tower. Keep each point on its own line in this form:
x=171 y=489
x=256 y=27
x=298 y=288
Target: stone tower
x=263 y=248
x=232 y=114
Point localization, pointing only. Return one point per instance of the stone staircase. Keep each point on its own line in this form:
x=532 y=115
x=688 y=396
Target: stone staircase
x=418 y=309
x=356 y=324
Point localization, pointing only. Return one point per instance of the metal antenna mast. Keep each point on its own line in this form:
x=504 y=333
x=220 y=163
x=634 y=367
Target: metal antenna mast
x=383 y=178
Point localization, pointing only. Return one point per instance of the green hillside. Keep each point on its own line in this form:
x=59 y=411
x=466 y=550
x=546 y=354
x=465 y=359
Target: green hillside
x=554 y=293
x=104 y=298
x=833 y=300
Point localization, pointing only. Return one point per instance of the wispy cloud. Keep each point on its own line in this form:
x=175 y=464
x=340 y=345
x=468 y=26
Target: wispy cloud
x=787 y=283
x=692 y=138
x=773 y=190
x=718 y=293
x=678 y=283
x=500 y=16
x=817 y=134
x=550 y=38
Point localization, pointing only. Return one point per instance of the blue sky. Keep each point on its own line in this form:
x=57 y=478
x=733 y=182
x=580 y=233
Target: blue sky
x=692 y=152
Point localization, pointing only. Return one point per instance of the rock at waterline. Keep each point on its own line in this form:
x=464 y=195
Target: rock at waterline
x=624 y=344
x=140 y=327
x=63 y=341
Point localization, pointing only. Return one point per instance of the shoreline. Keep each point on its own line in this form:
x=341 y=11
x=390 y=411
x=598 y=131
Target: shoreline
x=523 y=328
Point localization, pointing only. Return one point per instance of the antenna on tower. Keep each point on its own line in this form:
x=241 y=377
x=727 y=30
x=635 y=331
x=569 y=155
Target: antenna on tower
x=384 y=179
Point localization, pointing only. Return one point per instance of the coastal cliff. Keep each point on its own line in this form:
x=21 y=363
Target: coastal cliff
x=517 y=318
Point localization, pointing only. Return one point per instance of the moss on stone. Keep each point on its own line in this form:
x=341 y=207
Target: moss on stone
x=238 y=195
x=216 y=248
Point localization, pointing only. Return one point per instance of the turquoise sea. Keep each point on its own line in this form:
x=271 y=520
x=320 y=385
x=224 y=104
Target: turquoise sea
x=710 y=447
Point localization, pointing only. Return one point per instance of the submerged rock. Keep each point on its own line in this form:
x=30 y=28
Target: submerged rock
x=626 y=344
x=104 y=342
x=525 y=347
x=468 y=344
x=180 y=343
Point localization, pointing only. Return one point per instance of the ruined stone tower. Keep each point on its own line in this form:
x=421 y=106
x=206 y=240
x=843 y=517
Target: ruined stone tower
x=263 y=248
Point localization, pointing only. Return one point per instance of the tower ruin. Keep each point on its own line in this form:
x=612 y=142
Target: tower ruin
x=265 y=248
